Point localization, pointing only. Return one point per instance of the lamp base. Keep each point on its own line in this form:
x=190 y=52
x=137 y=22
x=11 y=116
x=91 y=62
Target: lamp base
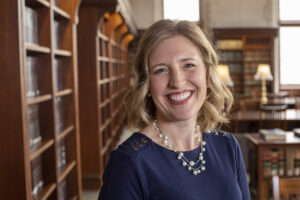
x=263 y=99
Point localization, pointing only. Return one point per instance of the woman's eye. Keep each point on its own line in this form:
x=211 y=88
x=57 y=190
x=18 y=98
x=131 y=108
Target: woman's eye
x=189 y=65
x=160 y=70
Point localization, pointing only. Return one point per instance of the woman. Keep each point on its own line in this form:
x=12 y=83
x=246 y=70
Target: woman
x=176 y=103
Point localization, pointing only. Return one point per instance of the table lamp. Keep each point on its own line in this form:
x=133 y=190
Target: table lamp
x=263 y=73
x=223 y=72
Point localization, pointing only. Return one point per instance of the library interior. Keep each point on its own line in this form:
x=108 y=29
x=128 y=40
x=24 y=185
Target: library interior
x=66 y=66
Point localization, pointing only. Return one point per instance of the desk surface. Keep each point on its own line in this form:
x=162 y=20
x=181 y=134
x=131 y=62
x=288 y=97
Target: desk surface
x=256 y=115
x=286 y=100
x=290 y=139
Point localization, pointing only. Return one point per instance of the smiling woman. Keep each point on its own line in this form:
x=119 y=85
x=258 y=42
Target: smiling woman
x=177 y=102
x=140 y=108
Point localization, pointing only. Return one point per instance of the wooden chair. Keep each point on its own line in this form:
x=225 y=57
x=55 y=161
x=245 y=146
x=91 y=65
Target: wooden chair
x=249 y=104
x=286 y=187
x=273 y=116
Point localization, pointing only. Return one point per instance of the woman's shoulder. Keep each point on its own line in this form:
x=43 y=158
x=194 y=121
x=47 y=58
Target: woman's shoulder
x=134 y=145
x=216 y=135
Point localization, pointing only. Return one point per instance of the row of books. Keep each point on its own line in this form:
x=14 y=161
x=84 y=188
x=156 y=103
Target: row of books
x=31 y=25
x=36 y=177
x=38 y=180
x=230 y=44
x=35 y=137
x=61 y=156
x=282 y=162
x=32 y=77
x=231 y=56
x=257 y=56
x=31 y=28
x=60 y=115
x=34 y=129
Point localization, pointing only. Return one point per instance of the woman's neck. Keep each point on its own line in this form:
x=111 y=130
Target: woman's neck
x=181 y=134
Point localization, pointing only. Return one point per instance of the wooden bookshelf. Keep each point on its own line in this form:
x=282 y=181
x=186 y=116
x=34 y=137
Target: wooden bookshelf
x=39 y=128
x=242 y=50
x=103 y=38
x=268 y=158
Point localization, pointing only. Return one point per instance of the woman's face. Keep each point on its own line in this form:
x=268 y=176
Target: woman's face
x=177 y=79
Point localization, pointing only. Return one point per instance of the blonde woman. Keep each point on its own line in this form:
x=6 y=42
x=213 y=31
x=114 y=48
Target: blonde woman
x=176 y=104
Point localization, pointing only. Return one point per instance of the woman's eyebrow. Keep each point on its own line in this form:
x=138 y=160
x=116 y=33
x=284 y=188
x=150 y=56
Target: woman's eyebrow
x=158 y=64
x=164 y=64
x=187 y=59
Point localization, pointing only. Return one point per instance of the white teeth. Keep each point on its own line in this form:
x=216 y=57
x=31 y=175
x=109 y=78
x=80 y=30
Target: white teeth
x=180 y=97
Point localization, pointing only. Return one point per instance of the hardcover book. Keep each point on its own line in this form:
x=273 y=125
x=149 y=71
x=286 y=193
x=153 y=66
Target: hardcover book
x=272 y=134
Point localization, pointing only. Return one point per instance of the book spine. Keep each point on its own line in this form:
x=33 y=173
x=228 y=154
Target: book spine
x=281 y=162
x=289 y=162
x=266 y=163
x=297 y=162
x=274 y=162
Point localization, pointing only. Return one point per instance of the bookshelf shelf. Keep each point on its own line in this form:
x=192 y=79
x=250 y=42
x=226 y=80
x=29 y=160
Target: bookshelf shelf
x=46 y=191
x=64 y=133
x=59 y=52
x=39 y=99
x=60 y=14
x=37 y=3
x=40 y=81
x=66 y=170
x=35 y=49
x=63 y=93
x=39 y=149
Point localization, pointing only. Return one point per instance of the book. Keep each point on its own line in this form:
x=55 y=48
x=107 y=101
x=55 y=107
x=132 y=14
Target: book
x=290 y=162
x=266 y=163
x=281 y=162
x=274 y=162
x=272 y=134
x=297 y=162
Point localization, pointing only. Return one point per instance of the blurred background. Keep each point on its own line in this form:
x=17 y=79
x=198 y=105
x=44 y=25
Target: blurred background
x=66 y=66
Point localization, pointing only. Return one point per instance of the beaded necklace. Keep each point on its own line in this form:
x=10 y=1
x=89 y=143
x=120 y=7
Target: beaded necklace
x=196 y=167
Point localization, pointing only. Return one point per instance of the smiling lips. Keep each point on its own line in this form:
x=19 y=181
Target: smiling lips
x=179 y=98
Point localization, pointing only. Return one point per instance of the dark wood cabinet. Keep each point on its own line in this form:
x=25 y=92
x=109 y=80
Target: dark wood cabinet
x=269 y=158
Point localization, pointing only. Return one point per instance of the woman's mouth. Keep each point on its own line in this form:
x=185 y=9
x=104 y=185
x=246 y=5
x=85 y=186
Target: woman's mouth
x=179 y=98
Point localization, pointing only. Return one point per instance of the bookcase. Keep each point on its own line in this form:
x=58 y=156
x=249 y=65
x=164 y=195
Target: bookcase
x=103 y=38
x=39 y=132
x=269 y=158
x=242 y=50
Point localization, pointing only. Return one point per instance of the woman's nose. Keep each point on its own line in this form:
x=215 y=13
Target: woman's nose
x=177 y=78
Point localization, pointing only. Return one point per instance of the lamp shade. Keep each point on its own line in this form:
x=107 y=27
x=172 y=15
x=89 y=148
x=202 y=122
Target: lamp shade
x=263 y=72
x=223 y=72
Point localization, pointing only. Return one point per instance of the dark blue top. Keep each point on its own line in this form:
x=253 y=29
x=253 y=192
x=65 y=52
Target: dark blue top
x=140 y=169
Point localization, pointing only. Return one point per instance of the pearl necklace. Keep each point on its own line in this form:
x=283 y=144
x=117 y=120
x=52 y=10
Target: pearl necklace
x=196 y=167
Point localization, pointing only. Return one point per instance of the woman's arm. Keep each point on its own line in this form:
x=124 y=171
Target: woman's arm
x=121 y=180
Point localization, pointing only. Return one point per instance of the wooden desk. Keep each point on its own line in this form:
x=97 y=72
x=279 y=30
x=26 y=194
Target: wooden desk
x=255 y=115
x=289 y=101
x=259 y=182
x=244 y=121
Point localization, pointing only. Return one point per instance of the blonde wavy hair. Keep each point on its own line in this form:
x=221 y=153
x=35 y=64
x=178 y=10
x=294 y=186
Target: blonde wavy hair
x=140 y=108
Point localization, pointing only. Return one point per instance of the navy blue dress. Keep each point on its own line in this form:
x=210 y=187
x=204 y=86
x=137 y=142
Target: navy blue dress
x=140 y=169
